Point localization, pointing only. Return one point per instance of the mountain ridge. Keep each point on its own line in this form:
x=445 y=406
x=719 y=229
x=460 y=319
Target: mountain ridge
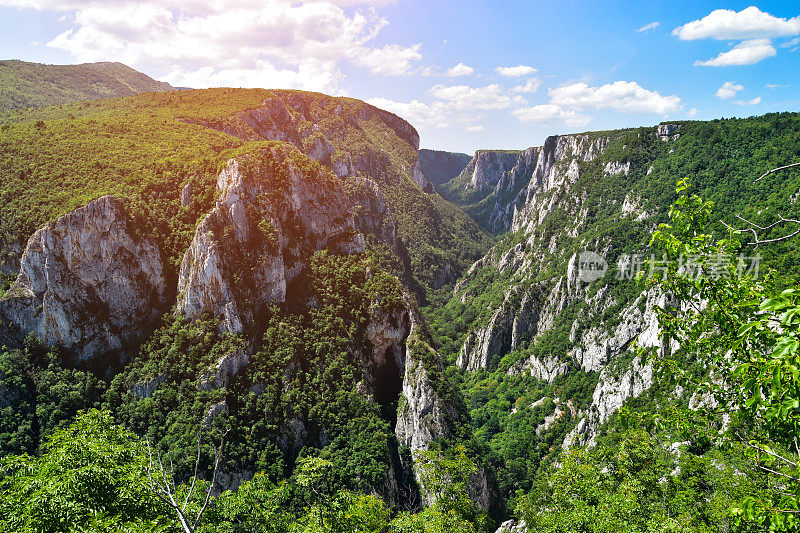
x=24 y=84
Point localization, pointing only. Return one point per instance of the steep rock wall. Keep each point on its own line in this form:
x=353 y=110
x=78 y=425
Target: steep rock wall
x=88 y=281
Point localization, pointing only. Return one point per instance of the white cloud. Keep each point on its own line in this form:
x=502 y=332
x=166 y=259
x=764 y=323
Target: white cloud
x=549 y=113
x=729 y=90
x=519 y=70
x=622 y=96
x=745 y=53
x=474 y=129
x=692 y=112
x=793 y=42
x=750 y=23
x=391 y=60
x=474 y=98
x=531 y=86
x=648 y=27
x=754 y=101
x=415 y=112
x=439 y=114
x=459 y=70
x=272 y=43
x=777 y=86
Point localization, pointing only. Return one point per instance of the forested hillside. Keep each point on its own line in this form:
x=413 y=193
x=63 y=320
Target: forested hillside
x=250 y=310
x=24 y=84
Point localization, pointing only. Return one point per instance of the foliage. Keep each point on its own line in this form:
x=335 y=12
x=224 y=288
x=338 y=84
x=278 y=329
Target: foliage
x=24 y=84
x=743 y=331
x=90 y=476
x=634 y=485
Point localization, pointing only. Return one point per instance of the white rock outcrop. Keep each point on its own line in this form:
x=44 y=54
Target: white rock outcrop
x=270 y=216
x=88 y=281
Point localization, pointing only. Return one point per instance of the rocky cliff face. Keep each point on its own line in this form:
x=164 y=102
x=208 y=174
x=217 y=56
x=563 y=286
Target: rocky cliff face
x=440 y=167
x=88 y=281
x=502 y=189
x=273 y=211
x=541 y=294
x=487 y=168
x=332 y=131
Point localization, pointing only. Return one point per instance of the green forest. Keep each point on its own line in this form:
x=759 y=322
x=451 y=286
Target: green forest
x=320 y=432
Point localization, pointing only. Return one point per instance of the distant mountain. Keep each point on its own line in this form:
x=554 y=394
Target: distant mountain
x=440 y=166
x=24 y=84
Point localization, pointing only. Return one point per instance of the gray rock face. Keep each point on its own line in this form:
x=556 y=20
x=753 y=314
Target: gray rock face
x=269 y=217
x=371 y=215
x=488 y=167
x=423 y=416
x=668 y=132
x=555 y=170
x=419 y=177
x=87 y=281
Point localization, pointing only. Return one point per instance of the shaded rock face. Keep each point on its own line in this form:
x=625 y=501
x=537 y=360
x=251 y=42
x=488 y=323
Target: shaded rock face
x=270 y=216
x=488 y=167
x=419 y=177
x=87 y=281
x=440 y=167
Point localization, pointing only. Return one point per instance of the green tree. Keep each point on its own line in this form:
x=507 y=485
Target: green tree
x=90 y=476
x=738 y=346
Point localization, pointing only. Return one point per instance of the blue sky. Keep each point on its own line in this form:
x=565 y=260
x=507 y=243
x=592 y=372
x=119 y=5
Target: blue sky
x=468 y=74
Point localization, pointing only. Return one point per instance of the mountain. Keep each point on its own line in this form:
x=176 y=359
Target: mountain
x=276 y=269
x=246 y=247
x=525 y=321
x=440 y=166
x=152 y=145
x=24 y=84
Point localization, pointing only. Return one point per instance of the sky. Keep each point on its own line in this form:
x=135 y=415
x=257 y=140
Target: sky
x=468 y=75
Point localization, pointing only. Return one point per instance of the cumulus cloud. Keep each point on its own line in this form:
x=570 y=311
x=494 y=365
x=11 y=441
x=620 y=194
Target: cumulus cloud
x=754 y=101
x=266 y=43
x=549 y=113
x=474 y=98
x=692 y=112
x=459 y=70
x=745 y=53
x=750 y=23
x=648 y=27
x=415 y=112
x=530 y=86
x=475 y=128
x=622 y=96
x=391 y=60
x=729 y=90
x=513 y=72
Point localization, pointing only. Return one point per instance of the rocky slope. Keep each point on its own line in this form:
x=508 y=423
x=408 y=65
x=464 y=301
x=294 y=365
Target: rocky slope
x=534 y=302
x=273 y=211
x=354 y=139
x=88 y=281
x=92 y=284
x=440 y=166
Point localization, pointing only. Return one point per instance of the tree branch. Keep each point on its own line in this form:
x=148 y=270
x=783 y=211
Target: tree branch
x=774 y=170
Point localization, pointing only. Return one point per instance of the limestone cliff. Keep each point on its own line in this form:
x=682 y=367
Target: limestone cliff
x=542 y=309
x=440 y=167
x=88 y=281
x=274 y=209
